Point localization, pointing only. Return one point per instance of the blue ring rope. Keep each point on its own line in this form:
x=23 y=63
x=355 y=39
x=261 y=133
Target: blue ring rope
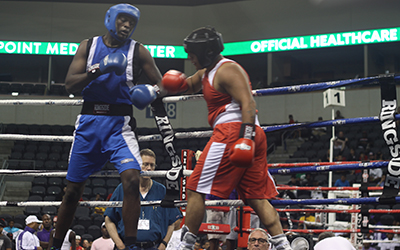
x=364 y=165
x=345 y=201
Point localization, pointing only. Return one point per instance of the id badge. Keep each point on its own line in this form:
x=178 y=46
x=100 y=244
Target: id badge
x=144 y=224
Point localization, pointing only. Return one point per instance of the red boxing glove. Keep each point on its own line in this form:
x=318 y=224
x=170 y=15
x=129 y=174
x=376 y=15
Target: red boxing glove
x=242 y=151
x=174 y=81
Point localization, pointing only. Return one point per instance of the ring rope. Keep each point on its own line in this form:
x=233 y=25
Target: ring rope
x=340 y=211
x=324 y=230
x=110 y=173
x=326 y=188
x=380 y=241
x=283 y=171
x=177 y=203
x=181 y=203
x=394 y=231
x=69 y=138
x=363 y=165
x=341 y=201
x=304 y=164
x=260 y=92
x=162 y=173
x=201 y=134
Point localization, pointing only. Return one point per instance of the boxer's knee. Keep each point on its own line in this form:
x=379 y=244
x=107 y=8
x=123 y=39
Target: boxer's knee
x=130 y=181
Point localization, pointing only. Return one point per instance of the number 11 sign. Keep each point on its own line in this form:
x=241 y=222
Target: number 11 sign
x=333 y=97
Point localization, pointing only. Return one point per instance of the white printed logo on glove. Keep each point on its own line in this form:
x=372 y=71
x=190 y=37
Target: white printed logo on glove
x=105 y=60
x=243 y=146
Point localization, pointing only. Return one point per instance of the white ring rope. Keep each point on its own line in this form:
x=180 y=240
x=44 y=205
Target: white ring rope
x=44 y=173
x=79 y=102
x=69 y=138
x=63 y=102
x=177 y=203
x=16 y=137
x=380 y=241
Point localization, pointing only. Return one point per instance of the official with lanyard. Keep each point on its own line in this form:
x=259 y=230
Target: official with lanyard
x=156 y=223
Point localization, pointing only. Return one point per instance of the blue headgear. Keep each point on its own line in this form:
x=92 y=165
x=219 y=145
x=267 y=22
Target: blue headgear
x=113 y=13
x=206 y=43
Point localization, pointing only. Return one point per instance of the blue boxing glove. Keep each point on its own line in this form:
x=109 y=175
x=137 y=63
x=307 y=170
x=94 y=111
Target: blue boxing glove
x=114 y=62
x=142 y=95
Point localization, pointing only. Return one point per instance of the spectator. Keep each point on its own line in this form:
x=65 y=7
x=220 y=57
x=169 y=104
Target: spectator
x=78 y=239
x=340 y=157
x=340 y=141
x=328 y=241
x=4 y=239
x=206 y=245
x=309 y=180
x=371 y=156
x=352 y=155
x=293 y=181
x=86 y=244
x=27 y=240
x=363 y=157
x=197 y=246
x=316 y=194
x=11 y=237
x=291 y=120
x=375 y=175
x=44 y=233
x=292 y=194
x=258 y=240
x=297 y=132
x=70 y=240
x=155 y=225
x=370 y=236
x=379 y=156
x=318 y=131
x=99 y=210
x=307 y=217
x=11 y=229
x=389 y=245
x=338 y=115
x=367 y=246
x=342 y=182
x=364 y=142
x=383 y=178
x=104 y=242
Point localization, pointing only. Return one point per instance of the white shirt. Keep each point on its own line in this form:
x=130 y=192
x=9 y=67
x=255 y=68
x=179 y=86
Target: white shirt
x=334 y=243
x=28 y=241
x=375 y=172
x=388 y=246
x=175 y=240
x=103 y=244
x=66 y=245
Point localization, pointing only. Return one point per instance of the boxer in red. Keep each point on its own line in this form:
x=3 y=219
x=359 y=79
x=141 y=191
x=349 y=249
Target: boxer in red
x=235 y=156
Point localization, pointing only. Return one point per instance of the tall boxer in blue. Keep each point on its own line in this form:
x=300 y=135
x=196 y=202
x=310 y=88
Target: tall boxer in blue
x=105 y=70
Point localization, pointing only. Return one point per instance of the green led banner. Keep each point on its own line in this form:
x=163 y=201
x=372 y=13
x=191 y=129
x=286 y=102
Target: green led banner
x=38 y=48
x=234 y=48
x=69 y=49
x=313 y=41
x=167 y=51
